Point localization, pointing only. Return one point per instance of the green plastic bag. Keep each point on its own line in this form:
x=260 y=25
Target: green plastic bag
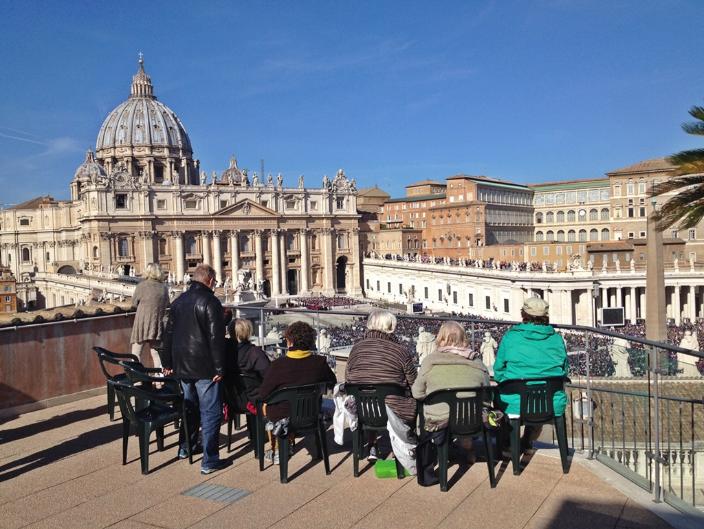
x=386 y=468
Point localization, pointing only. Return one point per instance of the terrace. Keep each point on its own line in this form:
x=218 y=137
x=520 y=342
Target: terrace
x=61 y=466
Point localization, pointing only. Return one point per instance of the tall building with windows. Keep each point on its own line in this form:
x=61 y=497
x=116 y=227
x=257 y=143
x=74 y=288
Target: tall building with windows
x=140 y=198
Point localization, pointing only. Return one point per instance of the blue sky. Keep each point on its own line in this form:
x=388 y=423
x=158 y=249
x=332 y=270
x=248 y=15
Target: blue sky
x=392 y=92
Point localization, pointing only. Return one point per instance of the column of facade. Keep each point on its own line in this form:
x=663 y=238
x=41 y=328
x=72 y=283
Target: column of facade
x=147 y=248
x=643 y=301
x=234 y=253
x=217 y=256
x=356 y=287
x=677 y=305
x=179 y=257
x=205 y=243
x=701 y=301
x=604 y=298
x=105 y=251
x=275 y=264
x=633 y=304
x=283 y=265
x=259 y=255
x=305 y=261
x=328 y=264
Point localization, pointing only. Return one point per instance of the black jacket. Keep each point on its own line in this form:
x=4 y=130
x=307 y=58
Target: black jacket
x=252 y=361
x=194 y=337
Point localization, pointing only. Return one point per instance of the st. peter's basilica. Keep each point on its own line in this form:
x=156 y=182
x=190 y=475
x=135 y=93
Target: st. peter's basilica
x=141 y=197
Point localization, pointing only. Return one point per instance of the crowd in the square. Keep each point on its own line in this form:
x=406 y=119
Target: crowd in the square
x=490 y=263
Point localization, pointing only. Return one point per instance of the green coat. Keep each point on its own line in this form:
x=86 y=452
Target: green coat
x=528 y=350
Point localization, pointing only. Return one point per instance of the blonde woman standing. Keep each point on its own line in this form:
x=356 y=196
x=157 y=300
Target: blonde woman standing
x=151 y=297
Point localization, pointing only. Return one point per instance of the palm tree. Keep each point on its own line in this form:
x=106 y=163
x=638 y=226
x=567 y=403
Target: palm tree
x=686 y=208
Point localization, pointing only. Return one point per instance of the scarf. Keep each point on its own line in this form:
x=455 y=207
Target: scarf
x=464 y=352
x=298 y=354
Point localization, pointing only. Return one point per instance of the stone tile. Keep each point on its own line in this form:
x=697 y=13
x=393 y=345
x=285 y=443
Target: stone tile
x=270 y=505
x=178 y=512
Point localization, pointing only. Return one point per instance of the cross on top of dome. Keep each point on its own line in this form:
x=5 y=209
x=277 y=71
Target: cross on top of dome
x=141 y=82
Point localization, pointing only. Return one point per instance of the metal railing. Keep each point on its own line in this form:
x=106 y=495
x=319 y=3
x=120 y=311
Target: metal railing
x=635 y=405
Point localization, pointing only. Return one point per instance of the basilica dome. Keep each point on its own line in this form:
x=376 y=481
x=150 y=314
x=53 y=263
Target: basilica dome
x=146 y=137
x=142 y=120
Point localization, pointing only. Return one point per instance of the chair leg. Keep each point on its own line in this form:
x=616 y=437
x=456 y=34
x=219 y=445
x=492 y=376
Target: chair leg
x=251 y=434
x=160 y=438
x=443 y=462
x=282 y=444
x=318 y=445
x=516 y=445
x=111 y=401
x=125 y=438
x=561 y=432
x=356 y=441
x=229 y=435
x=489 y=456
x=323 y=441
x=186 y=436
x=144 y=448
x=238 y=421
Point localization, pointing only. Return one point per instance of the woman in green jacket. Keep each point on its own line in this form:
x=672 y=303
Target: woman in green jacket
x=531 y=349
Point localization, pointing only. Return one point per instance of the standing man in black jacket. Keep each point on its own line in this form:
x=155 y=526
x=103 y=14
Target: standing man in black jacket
x=194 y=352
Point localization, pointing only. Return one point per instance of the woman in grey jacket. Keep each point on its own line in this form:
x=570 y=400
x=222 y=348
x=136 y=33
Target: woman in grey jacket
x=151 y=297
x=452 y=365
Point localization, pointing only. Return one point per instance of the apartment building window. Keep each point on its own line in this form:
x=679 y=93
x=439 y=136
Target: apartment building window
x=618 y=212
x=617 y=190
x=642 y=235
x=631 y=235
x=378 y=286
x=400 y=288
x=487 y=302
x=388 y=287
x=675 y=234
x=533 y=252
x=506 y=306
x=641 y=188
x=641 y=207
x=546 y=250
x=560 y=216
x=439 y=294
x=425 y=292
x=692 y=234
x=454 y=298
x=631 y=210
x=604 y=214
x=571 y=216
x=631 y=188
x=471 y=299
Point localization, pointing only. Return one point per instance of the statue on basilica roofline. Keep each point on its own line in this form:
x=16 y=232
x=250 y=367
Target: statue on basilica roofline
x=245 y=179
x=300 y=182
x=255 y=180
x=280 y=181
x=270 y=180
x=214 y=177
x=203 y=177
x=326 y=182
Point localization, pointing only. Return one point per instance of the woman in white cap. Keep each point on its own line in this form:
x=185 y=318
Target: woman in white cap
x=531 y=349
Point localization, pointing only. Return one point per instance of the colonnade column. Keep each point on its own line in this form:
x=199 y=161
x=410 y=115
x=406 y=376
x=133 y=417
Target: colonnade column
x=604 y=298
x=275 y=265
x=677 y=305
x=234 y=253
x=217 y=256
x=691 y=304
x=283 y=266
x=328 y=264
x=260 y=255
x=305 y=261
x=633 y=304
x=567 y=308
x=205 y=243
x=178 y=255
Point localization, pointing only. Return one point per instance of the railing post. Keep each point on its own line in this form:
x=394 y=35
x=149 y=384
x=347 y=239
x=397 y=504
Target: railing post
x=656 y=458
x=590 y=403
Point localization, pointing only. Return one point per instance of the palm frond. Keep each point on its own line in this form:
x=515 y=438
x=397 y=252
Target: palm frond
x=697 y=112
x=685 y=209
x=694 y=128
x=674 y=184
x=688 y=162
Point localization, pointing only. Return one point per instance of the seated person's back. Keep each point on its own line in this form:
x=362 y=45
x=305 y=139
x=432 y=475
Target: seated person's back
x=531 y=349
x=298 y=367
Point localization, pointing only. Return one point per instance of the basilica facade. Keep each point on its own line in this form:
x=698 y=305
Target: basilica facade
x=141 y=198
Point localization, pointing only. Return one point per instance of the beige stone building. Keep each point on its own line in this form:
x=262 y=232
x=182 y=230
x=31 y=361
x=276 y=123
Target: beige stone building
x=140 y=199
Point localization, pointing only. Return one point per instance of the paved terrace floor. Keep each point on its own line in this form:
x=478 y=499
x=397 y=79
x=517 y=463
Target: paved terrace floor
x=60 y=468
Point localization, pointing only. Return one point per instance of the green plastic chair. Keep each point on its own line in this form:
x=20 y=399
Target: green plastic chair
x=304 y=418
x=108 y=357
x=537 y=409
x=162 y=407
x=370 y=401
x=465 y=419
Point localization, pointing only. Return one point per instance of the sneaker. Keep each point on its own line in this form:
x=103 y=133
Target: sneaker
x=373 y=455
x=219 y=465
x=271 y=457
x=183 y=453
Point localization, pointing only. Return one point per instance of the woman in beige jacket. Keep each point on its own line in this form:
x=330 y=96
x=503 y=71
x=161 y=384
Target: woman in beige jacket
x=151 y=297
